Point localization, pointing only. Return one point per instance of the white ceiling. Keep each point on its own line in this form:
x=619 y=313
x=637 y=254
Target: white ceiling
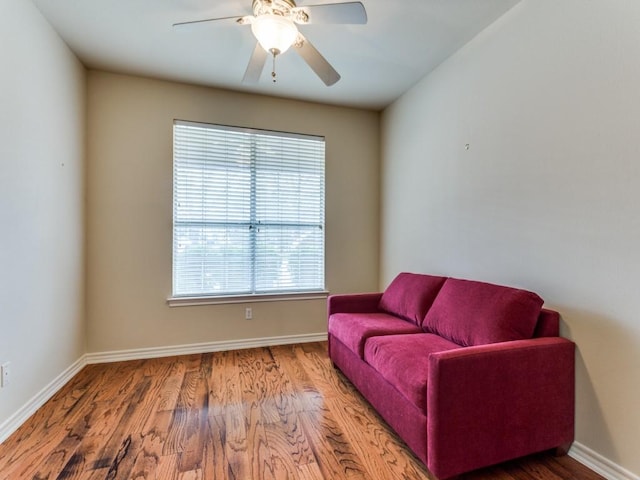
x=402 y=42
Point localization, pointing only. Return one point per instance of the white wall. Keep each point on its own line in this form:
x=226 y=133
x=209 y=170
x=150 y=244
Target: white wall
x=129 y=204
x=547 y=196
x=42 y=117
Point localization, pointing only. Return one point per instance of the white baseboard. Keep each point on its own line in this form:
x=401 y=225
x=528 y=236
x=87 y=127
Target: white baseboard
x=156 y=352
x=18 y=418
x=600 y=464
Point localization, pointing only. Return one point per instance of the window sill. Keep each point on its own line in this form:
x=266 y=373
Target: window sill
x=231 y=299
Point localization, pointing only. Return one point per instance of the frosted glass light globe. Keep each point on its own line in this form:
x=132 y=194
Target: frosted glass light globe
x=274 y=32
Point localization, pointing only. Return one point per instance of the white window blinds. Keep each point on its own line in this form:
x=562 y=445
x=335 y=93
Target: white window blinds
x=248 y=211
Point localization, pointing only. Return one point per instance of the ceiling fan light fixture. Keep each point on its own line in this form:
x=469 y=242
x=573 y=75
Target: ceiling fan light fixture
x=274 y=32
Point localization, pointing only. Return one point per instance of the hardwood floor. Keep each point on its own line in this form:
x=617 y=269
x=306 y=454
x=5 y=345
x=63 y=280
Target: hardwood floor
x=267 y=413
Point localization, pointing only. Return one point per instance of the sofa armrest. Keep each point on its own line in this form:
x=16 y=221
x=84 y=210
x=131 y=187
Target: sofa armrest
x=490 y=403
x=353 y=303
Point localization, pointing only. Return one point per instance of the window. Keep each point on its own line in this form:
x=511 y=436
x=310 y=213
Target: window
x=248 y=211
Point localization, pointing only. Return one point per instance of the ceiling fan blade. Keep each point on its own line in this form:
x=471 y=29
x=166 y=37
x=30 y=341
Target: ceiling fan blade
x=352 y=13
x=256 y=65
x=316 y=61
x=239 y=20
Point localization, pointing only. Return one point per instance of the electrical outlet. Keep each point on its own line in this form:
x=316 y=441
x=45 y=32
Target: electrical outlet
x=248 y=313
x=5 y=374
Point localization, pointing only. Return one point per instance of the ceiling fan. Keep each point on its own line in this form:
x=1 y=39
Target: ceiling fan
x=274 y=25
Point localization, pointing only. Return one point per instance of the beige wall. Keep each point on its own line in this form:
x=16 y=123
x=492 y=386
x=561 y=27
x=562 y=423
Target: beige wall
x=548 y=195
x=130 y=211
x=42 y=118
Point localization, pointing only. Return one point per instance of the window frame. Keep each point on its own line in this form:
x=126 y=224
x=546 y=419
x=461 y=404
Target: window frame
x=255 y=296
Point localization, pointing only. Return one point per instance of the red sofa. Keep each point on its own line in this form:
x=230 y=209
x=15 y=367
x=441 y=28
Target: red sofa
x=469 y=374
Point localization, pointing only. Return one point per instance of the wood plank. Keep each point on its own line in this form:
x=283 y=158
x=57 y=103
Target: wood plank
x=215 y=459
x=197 y=431
x=307 y=395
x=288 y=405
x=255 y=382
x=121 y=446
x=147 y=460
x=167 y=467
x=185 y=422
x=331 y=448
x=221 y=366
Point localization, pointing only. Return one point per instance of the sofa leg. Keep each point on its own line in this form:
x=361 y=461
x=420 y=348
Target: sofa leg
x=562 y=450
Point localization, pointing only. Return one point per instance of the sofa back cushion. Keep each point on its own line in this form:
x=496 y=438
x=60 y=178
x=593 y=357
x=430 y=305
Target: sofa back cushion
x=476 y=313
x=410 y=295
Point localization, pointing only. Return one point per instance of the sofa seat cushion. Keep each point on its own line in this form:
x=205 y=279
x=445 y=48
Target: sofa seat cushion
x=403 y=361
x=410 y=295
x=353 y=329
x=476 y=313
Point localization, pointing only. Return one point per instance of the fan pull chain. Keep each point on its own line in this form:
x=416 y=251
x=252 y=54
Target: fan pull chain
x=273 y=71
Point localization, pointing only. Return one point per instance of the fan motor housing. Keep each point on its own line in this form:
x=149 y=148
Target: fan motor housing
x=274 y=7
